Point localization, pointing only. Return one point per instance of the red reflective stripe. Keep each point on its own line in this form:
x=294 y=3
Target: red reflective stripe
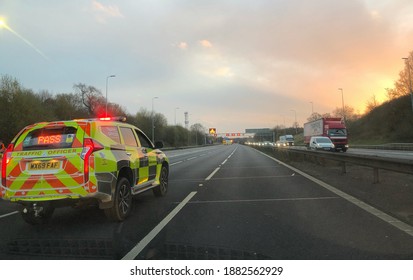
x=28 y=185
x=57 y=184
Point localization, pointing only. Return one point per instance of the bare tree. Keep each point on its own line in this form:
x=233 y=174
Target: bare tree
x=349 y=113
x=372 y=104
x=92 y=98
x=402 y=85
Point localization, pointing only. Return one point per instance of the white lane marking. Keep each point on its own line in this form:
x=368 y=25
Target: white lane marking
x=366 y=207
x=9 y=214
x=178 y=162
x=212 y=174
x=151 y=235
x=216 y=169
x=191 y=158
x=265 y=200
x=254 y=177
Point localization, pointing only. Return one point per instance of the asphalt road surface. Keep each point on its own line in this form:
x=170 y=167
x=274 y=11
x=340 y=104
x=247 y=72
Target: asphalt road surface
x=224 y=202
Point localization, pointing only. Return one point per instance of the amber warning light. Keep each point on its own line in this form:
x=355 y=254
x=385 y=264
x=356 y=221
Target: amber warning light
x=51 y=139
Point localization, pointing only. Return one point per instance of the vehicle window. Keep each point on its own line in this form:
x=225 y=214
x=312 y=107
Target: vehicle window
x=323 y=140
x=112 y=132
x=50 y=138
x=337 y=132
x=128 y=136
x=145 y=142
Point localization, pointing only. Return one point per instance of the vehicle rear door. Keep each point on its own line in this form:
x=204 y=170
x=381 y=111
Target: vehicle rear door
x=45 y=161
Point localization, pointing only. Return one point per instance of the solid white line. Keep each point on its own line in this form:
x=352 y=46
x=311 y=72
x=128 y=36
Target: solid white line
x=148 y=238
x=9 y=214
x=191 y=158
x=212 y=174
x=366 y=207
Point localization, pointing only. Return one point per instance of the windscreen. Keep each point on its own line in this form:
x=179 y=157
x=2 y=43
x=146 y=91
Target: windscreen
x=50 y=138
x=337 y=132
x=323 y=140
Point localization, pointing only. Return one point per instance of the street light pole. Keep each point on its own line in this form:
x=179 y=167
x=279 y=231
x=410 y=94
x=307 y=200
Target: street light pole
x=406 y=59
x=175 y=114
x=153 y=123
x=342 y=103
x=295 y=124
x=106 y=108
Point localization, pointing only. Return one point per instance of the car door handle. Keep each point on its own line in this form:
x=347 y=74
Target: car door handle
x=128 y=154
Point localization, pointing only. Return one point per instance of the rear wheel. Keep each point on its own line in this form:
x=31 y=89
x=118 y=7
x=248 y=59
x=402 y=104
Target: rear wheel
x=162 y=189
x=122 y=204
x=37 y=213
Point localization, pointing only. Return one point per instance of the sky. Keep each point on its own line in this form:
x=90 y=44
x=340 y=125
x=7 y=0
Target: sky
x=231 y=65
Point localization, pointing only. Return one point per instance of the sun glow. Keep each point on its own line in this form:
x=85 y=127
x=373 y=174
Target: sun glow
x=3 y=24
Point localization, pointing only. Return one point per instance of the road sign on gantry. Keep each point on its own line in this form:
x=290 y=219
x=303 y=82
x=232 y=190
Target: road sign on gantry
x=212 y=131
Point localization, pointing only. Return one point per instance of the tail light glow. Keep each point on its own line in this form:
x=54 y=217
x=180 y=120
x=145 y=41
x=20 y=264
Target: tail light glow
x=6 y=159
x=89 y=146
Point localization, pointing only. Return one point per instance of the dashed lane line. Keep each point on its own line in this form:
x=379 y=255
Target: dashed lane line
x=9 y=214
x=151 y=235
x=212 y=174
x=219 y=167
x=155 y=231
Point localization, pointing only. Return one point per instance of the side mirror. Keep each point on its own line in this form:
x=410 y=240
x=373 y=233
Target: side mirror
x=158 y=145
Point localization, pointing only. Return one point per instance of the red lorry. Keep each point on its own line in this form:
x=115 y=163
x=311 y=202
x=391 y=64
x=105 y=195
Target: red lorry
x=333 y=128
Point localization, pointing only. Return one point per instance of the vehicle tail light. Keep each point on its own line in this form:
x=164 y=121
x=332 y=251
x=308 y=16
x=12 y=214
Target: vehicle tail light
x=5 y=161
x=89 y=146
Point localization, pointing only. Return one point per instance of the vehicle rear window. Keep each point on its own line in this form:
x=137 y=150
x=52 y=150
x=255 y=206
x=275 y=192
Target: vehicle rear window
x=50 y=138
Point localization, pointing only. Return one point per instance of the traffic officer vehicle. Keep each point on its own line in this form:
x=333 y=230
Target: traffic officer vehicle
x=80 y=162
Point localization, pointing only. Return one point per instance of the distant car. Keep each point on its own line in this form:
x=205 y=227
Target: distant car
x=267 y=144
x=81 y=162
x=321 y=143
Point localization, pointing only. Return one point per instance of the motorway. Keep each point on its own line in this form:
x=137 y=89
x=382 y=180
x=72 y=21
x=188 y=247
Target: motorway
x=224 y=202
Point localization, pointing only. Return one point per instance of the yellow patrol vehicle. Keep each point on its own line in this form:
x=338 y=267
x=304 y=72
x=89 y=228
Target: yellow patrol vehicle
x=78 y=162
